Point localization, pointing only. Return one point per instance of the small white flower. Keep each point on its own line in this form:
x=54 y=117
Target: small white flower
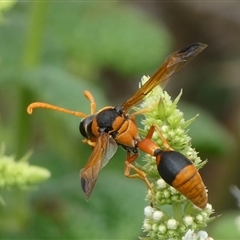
x=148 y=211
x=161 y=183
x=147 y=226
x=171 y=224
x=162 y=228
x=164 y=128
x=166 y=193
x=209 y=208
x=199 y=218
x=190 y=235
x=157 y=215
x=202 y=235
x=173 y=190
x=159 y=195
x=155 y=227
x=144 y=79
x=204 y=215
x=188 y=220
x=175 y=198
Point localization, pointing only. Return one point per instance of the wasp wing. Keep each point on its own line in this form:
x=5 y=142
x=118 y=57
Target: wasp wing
x=103 y=151
x=172 y=64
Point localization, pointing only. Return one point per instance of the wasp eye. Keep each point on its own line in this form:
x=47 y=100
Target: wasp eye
x=85 y=126
x=82 y=129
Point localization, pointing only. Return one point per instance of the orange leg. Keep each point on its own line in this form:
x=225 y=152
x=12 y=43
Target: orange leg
x=150 y=147
x=138 y=173
x=145 y=110
x=89 y=142
x=164 y=141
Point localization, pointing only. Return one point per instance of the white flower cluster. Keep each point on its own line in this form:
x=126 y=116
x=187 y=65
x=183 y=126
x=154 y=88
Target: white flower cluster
x=201 y=235
x=160 y=225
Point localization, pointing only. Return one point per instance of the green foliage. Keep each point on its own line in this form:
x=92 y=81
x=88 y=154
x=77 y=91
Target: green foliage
x=111 y=35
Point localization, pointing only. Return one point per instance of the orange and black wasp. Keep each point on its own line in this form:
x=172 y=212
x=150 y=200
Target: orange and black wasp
x=111 y=126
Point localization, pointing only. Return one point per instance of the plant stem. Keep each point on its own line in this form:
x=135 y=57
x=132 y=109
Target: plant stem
x=32 y=53
x=177 y=208
x=31 y=59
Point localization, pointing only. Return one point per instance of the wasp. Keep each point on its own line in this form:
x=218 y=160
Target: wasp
x=111 y=126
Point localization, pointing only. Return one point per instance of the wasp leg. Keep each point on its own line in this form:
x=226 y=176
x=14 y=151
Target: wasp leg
x=90 y=97
x=139 y=173
x=145 y=110
x=164 y=140
x=89 y=142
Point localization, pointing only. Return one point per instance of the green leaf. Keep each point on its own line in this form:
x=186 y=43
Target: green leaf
x=227 y=226
x=112 y=35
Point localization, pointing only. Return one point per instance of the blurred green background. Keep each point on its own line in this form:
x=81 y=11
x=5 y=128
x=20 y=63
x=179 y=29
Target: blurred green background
x=53 y=51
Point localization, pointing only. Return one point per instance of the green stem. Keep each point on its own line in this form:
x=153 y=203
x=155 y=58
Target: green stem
x=32 y=54
x=177 y=209
x=31 y=59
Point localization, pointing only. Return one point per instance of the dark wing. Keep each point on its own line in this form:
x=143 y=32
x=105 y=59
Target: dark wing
x=103 y=151
x=172 y=64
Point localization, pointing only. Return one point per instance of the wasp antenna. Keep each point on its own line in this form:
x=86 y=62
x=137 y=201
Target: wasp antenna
x=52 y=107
x=90 y=97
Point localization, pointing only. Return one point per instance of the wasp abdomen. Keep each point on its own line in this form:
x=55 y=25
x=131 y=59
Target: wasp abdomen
x=190 y=184
x=179 y=172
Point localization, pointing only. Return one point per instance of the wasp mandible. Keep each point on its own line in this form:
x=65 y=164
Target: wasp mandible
x=111 y=126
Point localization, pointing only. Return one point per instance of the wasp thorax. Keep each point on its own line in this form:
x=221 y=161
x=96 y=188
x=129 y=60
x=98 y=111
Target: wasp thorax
x=106 y=118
